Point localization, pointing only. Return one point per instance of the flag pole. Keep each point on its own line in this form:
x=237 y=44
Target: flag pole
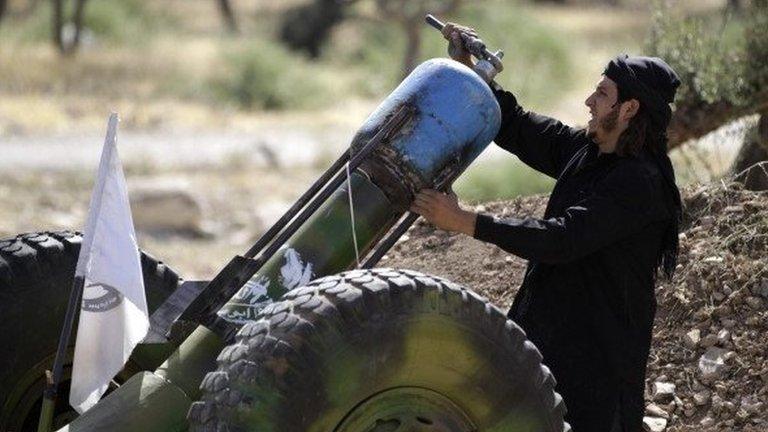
x=53 y=379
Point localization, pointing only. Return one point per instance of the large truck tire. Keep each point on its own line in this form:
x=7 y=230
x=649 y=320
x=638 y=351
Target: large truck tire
x=36 y=273
x=380 y=351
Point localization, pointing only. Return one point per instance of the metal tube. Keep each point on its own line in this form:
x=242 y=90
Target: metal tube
x=386 y=244
x=298 y=205
x=322 y=246
x=51 y=389
x=223 y=287
x=394 y=123
x=434 y=22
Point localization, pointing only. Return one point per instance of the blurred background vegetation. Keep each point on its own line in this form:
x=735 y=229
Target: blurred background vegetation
x=201 y=63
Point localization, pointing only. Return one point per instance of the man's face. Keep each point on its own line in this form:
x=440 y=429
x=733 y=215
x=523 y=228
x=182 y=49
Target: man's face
x=603 y=125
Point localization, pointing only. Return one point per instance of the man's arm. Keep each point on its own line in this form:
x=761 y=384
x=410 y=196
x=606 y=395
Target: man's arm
x=624 y=203
x=541 y=142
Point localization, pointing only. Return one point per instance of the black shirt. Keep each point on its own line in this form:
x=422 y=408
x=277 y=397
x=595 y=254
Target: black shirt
x=587 y=300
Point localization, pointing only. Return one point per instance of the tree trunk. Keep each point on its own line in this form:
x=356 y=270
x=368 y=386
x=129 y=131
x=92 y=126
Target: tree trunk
x=734 y=6
x=78 y=23
x=3 y=5
x=413 y=47
x=58 y=25
x=225 y=7
x=752 y=152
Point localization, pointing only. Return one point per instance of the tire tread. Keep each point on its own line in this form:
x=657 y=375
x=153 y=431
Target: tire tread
x=283 y=327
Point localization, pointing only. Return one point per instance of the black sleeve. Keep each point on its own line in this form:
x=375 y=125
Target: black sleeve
x=541 y=142
x=622 y=204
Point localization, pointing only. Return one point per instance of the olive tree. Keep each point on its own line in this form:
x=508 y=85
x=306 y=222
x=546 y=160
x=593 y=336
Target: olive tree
x=228 y=15
x=721 y=63
x=307 y=26
x=409 y=15
x=67 y=43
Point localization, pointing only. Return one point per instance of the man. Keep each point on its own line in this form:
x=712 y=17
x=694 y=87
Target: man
x=587 y=300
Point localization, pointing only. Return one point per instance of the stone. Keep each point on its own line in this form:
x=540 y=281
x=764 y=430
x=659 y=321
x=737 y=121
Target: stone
x=701 y=398
x=707 y=221
x=707 y=421
x=712 y=364
x=723 y=336
x=709 y=340
x=717 y=403
x=654 y=424
x=654 y=410
x=663 y=392
x=718 y=296
x=166 y=207
x=678 y=403
x=755 y=303
x=692 y=338
x=764 y=288
x=750 y=405
x=728 y=323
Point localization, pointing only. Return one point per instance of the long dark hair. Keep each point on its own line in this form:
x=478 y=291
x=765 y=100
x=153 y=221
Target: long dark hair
x=641 y=135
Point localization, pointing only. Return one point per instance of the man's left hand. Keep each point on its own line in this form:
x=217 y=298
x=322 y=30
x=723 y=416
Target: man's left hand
x=443 y=211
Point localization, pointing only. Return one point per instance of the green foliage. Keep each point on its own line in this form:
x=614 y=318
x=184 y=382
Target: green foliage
x=501 y=179
x=122 y=20
x=264 y=75
x=756 y=61
x=113 y=21
x=537 y=62
x=719 y=58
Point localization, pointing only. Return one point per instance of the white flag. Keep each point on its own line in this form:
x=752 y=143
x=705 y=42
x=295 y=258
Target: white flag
x=113 y=315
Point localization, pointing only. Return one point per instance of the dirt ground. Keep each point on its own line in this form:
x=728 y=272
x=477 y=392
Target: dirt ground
x=715 y=304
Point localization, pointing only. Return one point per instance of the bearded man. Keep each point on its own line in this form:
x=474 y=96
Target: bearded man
x=587 y=300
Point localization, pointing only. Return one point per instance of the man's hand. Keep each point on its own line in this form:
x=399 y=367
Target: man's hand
x=443 y=211
x=452 y=32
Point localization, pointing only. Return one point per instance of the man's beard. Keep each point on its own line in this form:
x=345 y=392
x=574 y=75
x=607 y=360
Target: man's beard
x=608 y=124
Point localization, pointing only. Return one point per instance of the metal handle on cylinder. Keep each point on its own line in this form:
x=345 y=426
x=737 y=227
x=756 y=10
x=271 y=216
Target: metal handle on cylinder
x=489 y=64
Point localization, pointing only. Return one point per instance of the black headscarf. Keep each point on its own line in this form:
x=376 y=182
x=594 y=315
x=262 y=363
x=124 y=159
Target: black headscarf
x=653 y=83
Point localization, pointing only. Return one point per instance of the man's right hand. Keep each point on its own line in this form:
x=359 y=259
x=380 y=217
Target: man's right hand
x=456 y=49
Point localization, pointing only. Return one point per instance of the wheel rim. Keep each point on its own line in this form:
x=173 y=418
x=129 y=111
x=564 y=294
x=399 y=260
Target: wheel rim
x=406 y=409
x=22 y=410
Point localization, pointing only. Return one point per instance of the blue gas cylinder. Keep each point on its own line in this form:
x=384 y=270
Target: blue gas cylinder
x=453 y=117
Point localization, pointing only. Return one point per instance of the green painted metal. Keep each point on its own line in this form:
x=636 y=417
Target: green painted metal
x=145 y=403
x=196 y=356
x=46 y=415
x=322 y=246
x=175 y=381
x=412 y=409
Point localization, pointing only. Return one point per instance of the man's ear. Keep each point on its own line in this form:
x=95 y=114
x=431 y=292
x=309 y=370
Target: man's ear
x=629 y=109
